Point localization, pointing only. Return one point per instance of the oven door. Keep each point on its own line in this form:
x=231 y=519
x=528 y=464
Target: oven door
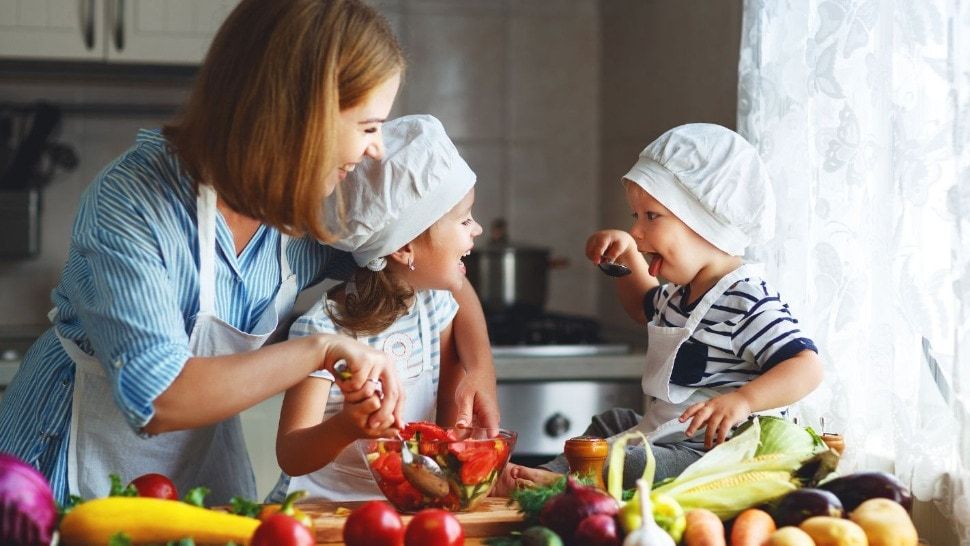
x=547 y=413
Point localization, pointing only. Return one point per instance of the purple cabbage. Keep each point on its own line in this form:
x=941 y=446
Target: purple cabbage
x=28 y=513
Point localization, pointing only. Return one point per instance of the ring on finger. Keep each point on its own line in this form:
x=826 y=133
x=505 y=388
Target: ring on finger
x=378 y=388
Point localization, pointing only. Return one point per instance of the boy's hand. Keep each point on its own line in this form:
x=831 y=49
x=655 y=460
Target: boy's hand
x=515 y=476
x=719 y=415
x=608 y=245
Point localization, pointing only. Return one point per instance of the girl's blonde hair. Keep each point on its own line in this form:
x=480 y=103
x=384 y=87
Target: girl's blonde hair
x=260 y=124
x=376 y=301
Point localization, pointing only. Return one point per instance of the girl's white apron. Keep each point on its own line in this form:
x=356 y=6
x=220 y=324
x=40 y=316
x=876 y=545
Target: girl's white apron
x=348 y=478
x=101 y=440
x=668 y=401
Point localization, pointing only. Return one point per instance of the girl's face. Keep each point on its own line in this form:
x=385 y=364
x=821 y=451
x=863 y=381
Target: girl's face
x=673 y=249
x=438 y=253
x=359 y=129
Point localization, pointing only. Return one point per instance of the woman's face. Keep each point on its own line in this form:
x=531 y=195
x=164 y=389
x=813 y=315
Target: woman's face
x=359 y=129
x=438 y=254
x=672 y=247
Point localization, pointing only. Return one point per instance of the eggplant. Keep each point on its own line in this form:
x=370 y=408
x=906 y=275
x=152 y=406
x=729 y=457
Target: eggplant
x=801 y=504
x=854 y=489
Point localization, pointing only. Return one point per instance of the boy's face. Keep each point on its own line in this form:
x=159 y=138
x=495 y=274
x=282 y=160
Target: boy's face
x=438 y=253
x=674 y=250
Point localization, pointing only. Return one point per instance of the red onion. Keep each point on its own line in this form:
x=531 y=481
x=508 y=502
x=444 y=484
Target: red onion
x=27 y=510
x=597 y=530
x=565 y=511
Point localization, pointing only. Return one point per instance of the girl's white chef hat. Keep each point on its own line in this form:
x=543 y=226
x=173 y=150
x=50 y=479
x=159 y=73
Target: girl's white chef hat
x=389 y=202
x=714 y=181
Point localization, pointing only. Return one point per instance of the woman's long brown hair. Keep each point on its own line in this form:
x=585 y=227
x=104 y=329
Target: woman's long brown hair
x=261 y=121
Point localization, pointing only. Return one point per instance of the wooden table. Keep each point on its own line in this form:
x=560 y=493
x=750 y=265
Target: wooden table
x=493 y=517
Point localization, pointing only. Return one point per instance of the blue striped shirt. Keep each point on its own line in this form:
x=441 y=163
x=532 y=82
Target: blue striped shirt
x=747 y=331
x=129 y=294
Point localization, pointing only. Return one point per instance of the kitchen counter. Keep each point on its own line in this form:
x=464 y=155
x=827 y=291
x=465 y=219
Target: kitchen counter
x=597 y=367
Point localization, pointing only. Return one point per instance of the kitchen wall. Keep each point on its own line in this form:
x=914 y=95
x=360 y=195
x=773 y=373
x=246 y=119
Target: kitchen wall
x=516 y=84
x=549 y=101
x=664 y=63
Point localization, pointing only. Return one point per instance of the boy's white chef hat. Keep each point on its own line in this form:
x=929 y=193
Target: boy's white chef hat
x=714 y=181
x=389 y=202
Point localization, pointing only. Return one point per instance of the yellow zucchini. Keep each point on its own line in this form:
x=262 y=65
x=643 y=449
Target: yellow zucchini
x=148 y=520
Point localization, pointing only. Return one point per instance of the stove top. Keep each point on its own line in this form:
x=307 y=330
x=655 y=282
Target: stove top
x=517 y=327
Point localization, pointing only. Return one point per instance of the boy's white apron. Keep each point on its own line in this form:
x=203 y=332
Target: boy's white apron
x=660 y=421
x=102 y=442
x=348 y=478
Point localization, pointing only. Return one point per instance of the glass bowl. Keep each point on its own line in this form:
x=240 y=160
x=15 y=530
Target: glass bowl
x=472 y=460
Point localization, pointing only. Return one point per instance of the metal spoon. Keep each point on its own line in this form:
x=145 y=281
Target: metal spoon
x=423 y=472
x=613 y=269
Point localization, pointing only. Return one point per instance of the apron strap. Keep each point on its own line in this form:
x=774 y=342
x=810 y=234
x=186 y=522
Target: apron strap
x=424 y=322
x=206 y=219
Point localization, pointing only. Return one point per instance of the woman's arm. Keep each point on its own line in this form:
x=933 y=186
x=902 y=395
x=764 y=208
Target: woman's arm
x=449 y=379
x=210 y=389
x=475 y=395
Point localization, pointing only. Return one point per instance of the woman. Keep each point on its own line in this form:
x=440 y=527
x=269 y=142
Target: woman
x=188 y=250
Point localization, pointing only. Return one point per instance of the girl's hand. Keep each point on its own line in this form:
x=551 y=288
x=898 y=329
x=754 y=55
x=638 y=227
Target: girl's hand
x=359 y=406
x=719 y=414
x=609 y=245
x=369 y=370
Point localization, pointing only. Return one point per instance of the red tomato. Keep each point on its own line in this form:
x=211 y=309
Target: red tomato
x=388 y=466
x=155 y=485
x=282 y=530
x=376 y=523
x=428 y=431
x=434 y=527
x=475 y=470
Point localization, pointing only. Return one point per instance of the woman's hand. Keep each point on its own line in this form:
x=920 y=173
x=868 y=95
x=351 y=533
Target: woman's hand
x=609 y=245
x=476 y=399
x=358 y=408
x=369 y=371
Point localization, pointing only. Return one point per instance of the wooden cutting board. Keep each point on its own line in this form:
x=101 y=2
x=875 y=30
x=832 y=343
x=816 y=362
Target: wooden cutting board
x=493 y=517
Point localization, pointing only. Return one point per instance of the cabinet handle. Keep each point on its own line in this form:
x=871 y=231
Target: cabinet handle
x=119 y=25
x=87 y=23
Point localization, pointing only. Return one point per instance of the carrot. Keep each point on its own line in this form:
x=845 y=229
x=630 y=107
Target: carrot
x=752 y=527
x=704 y=528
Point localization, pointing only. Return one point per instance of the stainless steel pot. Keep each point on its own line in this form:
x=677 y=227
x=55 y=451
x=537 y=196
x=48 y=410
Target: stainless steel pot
x=509 y=276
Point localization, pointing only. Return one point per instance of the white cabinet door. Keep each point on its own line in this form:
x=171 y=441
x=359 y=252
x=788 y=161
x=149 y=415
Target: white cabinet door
x=162 y=31
x=52 y=29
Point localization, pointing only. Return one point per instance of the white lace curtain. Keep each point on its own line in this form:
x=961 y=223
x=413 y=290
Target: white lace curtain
x=861 y=109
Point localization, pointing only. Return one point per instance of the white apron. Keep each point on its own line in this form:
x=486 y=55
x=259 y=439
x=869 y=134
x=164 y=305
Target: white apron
x=668 y=401
x=347 y=477
x=102 y=442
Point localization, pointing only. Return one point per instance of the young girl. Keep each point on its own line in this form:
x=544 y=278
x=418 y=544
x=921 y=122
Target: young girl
x=409 y=226
x=722 y=344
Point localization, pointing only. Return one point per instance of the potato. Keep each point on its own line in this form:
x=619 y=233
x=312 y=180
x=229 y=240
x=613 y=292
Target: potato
x=829 y=531
x=885 y=522
x=790 y=536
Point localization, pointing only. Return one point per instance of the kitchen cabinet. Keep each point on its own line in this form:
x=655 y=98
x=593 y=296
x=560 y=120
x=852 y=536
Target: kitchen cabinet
x=112 y=31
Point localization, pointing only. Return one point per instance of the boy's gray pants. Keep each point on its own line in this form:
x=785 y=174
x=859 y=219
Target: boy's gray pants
x=672 y=458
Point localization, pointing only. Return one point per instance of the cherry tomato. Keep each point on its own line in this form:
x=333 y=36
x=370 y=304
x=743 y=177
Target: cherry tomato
x=155 y=485
x=282 y=530
x=434 y=527
x=375 y=523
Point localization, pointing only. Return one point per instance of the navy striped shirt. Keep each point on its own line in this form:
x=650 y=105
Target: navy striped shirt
x=748 y=330
x=129 y=294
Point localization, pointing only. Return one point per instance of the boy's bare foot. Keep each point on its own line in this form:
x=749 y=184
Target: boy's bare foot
x=515 y=476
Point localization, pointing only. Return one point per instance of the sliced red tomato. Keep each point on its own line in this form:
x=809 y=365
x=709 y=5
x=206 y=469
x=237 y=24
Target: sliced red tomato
x=388 y=465
x=428 y=431
x=406 y=496
x=476 y=469
x=477 y=451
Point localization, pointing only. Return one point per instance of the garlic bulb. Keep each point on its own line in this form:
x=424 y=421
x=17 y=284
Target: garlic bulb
x=649 y=534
